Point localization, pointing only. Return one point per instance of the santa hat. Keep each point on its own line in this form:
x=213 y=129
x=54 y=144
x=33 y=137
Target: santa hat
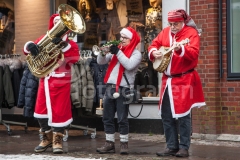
x=178 y=15
x=181 y=15
x=57 y=18
x=127 y=50
x=127 y=33
x=53 y=18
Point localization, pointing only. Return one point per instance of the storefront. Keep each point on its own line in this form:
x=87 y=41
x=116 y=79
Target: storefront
x=218 y=66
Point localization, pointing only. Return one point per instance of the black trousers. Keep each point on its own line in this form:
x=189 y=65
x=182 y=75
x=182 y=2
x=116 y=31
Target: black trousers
x=43 y=122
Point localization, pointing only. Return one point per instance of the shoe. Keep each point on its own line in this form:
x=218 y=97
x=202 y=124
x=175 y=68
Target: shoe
x=123 y=147
x=182 y=153
x=108 y=147
x=167 y=152
x=46 y=142
x=57 y=143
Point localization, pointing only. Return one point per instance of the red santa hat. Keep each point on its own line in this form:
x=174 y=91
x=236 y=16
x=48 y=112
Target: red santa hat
x=127 y=33
x=52 y=19
x=178 y=15
x=181 y=15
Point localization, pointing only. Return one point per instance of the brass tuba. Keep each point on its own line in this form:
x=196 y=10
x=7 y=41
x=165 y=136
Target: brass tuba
x=50 y=55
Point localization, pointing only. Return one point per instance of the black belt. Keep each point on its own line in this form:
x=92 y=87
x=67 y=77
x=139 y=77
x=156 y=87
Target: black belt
x=180 y=74
x=111 y=85
x=114 y=86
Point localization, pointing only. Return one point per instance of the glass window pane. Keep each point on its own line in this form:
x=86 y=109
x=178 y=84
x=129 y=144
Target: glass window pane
x=235 y=36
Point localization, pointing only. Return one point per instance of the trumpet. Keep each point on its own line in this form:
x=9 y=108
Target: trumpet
x=105 y=48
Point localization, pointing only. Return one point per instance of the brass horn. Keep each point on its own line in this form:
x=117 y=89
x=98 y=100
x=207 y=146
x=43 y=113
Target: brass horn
x=51 y=56
x=105 y=48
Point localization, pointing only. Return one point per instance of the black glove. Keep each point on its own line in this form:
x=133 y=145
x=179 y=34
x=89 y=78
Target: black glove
x=56 y=40
x=63 y=44
x=114 y=49
x=33 y=48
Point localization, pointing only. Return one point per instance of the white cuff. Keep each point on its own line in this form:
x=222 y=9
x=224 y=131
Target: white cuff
x=64 y=37
x=183 y=51
x=66 y=48
x=25 y=47
x=153 y=49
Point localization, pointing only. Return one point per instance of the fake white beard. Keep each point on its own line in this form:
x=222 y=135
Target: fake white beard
x=174 y=32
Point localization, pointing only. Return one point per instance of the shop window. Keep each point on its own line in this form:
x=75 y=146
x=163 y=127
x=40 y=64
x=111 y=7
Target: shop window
x=7 y=27
x=105 y=18
x=233 y=38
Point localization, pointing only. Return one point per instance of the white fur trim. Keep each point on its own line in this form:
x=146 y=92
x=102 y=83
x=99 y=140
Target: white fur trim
x=25 y=47
x=116 y=95
x=174 y=115
x=149 y=53
x=56 y=18
x=65 y=37
x=126 y=32
x=62 y=124
x=66 y=48
x=36 y=115
x=48 y=101
x=183 y=51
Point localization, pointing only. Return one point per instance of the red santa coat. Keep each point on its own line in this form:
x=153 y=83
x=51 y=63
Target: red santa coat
x=53 y=98
x=185 y=92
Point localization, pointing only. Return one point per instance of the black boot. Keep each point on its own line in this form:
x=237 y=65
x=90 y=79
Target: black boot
x=108 y=147
x=123 y=147
x=167 y=152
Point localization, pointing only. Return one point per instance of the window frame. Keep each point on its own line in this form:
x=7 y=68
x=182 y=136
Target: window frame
x=230 y=74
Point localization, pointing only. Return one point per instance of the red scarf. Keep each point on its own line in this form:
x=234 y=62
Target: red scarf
x=127 y=50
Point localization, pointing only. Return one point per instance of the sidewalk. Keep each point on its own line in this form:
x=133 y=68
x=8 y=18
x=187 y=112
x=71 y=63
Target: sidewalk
x=79 y=146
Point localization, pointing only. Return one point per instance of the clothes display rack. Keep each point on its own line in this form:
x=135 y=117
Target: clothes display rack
x=7 y=124
x=4 y=61
x=84 y=128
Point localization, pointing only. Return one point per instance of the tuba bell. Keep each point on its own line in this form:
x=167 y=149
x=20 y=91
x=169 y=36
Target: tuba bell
x=50 y=55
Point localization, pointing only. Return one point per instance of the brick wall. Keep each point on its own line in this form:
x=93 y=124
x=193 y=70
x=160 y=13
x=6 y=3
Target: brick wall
x=31 y=19
x=222 y=113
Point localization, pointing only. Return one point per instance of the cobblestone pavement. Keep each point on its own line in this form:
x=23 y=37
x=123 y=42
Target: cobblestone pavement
x=20 y=146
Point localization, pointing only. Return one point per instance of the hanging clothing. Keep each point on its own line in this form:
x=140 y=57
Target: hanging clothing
x=8 y=89
x=1 y=86
x=98 y=73
x=16 y=81
x=27 y=92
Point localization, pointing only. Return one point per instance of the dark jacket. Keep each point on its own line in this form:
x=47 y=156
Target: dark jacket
x=16 y=80
x=98 y=73
x=7 y=85
x=27 y=93
x=1 y=87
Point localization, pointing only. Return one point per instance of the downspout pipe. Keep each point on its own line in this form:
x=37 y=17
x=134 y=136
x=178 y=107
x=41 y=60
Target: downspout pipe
x=220 y=37
x=52 y=6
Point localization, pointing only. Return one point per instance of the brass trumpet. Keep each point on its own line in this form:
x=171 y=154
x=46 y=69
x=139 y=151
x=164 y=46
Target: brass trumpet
x=105 y=48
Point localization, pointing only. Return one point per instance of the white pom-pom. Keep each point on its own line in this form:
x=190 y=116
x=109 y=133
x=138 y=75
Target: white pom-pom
x=116 y=95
